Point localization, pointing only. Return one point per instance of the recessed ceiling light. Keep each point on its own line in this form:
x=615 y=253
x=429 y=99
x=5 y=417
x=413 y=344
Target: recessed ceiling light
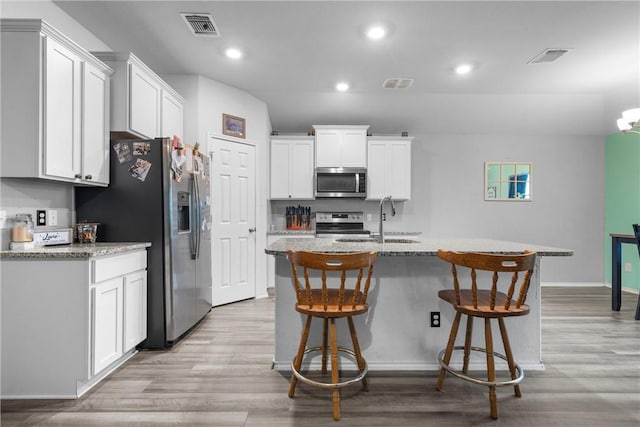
x=376 y=33
x=463 y=69
x=233 y=53
x=342 y=87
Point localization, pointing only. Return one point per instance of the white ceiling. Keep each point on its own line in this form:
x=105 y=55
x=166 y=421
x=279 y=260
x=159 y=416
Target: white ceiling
x=296 y=51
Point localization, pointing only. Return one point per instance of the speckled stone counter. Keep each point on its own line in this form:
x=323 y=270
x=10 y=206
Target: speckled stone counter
x=76 y=250
x=421 y=247
x=395 y=335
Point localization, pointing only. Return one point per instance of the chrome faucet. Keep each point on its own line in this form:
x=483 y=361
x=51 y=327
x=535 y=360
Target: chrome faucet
x=393 y=213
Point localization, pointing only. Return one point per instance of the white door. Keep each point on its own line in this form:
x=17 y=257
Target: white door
x=234 y=213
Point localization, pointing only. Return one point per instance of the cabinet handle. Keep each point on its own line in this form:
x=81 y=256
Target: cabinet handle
x=252 y=230
x=88 y=177
x=78 y=175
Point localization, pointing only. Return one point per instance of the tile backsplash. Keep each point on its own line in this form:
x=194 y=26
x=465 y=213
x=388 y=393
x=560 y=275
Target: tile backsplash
x=22 y=195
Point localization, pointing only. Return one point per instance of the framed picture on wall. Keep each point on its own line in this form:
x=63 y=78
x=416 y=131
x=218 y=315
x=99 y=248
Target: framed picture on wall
x=233 y=126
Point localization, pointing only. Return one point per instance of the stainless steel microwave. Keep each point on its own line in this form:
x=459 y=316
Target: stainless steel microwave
x=341 y=182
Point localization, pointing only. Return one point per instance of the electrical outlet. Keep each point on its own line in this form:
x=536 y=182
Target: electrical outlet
x=41 y=217
x=368 y=217
x=3 y=219
x=627 y=267
x=435 y=319
x=52 y=217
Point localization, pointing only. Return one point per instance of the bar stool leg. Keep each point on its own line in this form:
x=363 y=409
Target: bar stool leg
x=447 y=355
x=491 y=370
x=467 y=344
x=325 y=323
x=298 y=361
x=356 y=350
x=335 y=378
x=509 y=354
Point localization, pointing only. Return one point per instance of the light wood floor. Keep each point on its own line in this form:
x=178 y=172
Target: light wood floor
x=220 y=375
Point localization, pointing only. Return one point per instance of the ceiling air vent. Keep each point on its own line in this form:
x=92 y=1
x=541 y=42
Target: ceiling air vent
x=397 y=83
x=548 y=55
x=201 y=24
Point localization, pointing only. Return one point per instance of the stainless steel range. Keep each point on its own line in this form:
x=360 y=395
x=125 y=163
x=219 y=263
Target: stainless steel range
x=339 y=224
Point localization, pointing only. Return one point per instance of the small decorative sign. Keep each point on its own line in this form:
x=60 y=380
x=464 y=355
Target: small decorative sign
x=233 y=126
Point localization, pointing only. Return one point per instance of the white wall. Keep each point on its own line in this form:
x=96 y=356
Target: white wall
x=205 y=102
x=566 y=209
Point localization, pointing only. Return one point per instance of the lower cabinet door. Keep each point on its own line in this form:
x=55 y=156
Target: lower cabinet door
x=135 y=309
x=106 y=321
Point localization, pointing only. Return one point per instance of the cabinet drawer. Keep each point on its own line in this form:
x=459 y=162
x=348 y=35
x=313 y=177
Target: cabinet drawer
x=107 y=268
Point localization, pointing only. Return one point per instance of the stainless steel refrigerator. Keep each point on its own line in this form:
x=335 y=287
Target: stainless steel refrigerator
x=158 y=193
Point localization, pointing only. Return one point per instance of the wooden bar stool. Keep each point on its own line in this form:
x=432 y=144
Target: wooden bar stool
x=329 y=303
x=487 y=304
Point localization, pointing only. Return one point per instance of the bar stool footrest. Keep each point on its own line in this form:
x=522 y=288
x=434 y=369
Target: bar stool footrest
x=362 y=374
x=461 y=375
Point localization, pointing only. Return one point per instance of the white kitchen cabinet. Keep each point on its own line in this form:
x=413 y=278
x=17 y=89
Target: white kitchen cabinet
x=106 y=320
x=142 y=104
x=68 y=322
x=135 y=309
x=54 y=106
x=389 y=168
x=341 y=146
x=172 y=114
x=292 y=168
x=95 y=125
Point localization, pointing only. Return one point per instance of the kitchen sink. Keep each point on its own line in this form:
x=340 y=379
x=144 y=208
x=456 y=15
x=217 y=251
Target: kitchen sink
x=375 y=240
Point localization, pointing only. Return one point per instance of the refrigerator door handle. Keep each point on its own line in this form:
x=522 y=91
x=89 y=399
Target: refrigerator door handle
x=194 y=217
x=198 y=229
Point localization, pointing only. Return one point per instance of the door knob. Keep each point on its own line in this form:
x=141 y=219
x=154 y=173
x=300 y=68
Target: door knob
x=252 y=230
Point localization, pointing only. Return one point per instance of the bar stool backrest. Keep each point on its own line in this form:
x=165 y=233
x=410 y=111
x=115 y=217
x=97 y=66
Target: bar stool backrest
x=495 y=263
x=351 y=292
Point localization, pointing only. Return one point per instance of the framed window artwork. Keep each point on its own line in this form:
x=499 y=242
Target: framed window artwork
x=507 y=181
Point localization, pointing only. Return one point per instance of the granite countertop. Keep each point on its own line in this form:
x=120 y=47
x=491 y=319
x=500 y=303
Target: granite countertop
x=76 y=250
x=421 y=247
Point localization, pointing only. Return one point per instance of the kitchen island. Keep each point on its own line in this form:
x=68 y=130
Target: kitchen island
x=395 y=335
x=71 y=314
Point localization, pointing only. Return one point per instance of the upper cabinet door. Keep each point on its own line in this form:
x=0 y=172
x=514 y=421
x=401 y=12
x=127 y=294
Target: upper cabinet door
x=62 y=111
x=280 y=161
x=328 y=148
x=292 y=168
x=341 y=146
x=389 y=170
x=354 y=148
x=172 y=115
x=302 y=171
x=95 y=125
x=144 y=103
